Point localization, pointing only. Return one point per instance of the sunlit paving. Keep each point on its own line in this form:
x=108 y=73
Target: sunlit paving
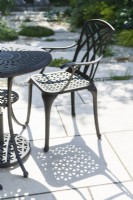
x=66 y=99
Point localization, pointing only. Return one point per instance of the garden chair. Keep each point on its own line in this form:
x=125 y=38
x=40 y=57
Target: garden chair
x=79 y=73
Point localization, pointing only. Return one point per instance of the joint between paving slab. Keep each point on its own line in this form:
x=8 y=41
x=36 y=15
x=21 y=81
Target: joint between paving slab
x=119 y=158
x=61 y=120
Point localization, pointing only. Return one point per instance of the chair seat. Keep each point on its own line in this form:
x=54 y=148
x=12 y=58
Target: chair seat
x=55 y=82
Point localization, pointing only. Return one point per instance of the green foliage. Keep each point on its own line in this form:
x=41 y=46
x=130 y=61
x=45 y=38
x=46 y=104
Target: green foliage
x=107 y=12
x=123 y=14
x=118 y=3
x=57 y=62
x=125 y=38
x=85 y=10
x=117 y=12
x=50 y=40
x=99 y=10
x=108 y=52
x=91 y=11
x=6 y=6
x=35 y=31
x=27 y=19
x=7 y=34
x=123 y=18
x=80 y=11
x=120 y=78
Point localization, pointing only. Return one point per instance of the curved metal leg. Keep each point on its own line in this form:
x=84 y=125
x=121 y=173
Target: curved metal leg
x=47 y=100
x=29 y=103
x=1 y=127
x=93 y=90
x=73 y=103
x=25 y=173
x=15 y=119
x=1 y=187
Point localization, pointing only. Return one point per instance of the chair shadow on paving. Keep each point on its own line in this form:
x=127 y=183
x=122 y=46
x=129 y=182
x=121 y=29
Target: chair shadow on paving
x=67 y=163
x=17 y=187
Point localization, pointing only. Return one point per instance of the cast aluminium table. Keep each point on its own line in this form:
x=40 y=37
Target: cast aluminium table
x=16 y=60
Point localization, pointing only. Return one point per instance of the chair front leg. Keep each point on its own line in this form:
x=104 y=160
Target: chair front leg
x=73 y=103
x=93 y=91
x=29 y=103
x=47 y=100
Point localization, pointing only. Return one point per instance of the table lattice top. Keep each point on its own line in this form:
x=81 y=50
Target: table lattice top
x=20 y=59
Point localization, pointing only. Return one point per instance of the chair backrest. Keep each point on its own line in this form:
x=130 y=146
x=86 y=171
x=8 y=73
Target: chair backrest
x=95 y=36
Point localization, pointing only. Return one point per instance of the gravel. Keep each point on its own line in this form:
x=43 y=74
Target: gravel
x=120 y=54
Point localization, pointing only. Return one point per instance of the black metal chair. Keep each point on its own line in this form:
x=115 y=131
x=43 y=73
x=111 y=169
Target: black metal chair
x=79 y=75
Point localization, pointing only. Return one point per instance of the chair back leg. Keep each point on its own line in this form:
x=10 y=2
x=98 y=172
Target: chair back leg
x=48 y=101
x=93 y=91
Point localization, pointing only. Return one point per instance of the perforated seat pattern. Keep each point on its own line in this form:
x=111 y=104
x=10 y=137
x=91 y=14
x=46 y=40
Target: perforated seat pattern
x=55 y=82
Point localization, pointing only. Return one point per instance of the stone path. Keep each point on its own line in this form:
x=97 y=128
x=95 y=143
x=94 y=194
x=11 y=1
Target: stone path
x=77 y=166
x=119 y=64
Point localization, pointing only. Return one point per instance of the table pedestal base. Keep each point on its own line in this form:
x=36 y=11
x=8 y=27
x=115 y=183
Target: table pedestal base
x=7 y=154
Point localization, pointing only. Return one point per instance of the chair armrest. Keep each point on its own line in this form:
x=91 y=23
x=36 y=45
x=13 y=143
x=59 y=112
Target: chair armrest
x=49 y=49
x=58 y=48
x=74 y=64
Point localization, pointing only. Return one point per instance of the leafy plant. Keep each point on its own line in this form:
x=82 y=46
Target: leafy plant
x=92 y=11
x=108 y=52
x=107 y=12
x=125 y=38
x=123 y=18
x=50 y=40
x=6 y=6
x=7 y=34
x=116 y=12
x=78 y=11
x=57 y=62
x=27 y=19
x=35 y=31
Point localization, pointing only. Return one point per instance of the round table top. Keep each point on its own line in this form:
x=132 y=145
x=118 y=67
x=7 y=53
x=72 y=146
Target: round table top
x=18 y=59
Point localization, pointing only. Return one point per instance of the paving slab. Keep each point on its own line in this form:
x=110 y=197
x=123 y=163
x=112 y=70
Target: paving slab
x=75 y=194
x=70 y=163
x=120 y=191
x=113 y=116
x=114 y=69
x=121 y=142
x=78 y=166
x=107 y=91
x=111 y=107
x=110 y=91
x=36 y=129
x=51 y=171
x=64 y=99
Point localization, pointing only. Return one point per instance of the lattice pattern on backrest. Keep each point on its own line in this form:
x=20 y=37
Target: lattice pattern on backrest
x=93 y=40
